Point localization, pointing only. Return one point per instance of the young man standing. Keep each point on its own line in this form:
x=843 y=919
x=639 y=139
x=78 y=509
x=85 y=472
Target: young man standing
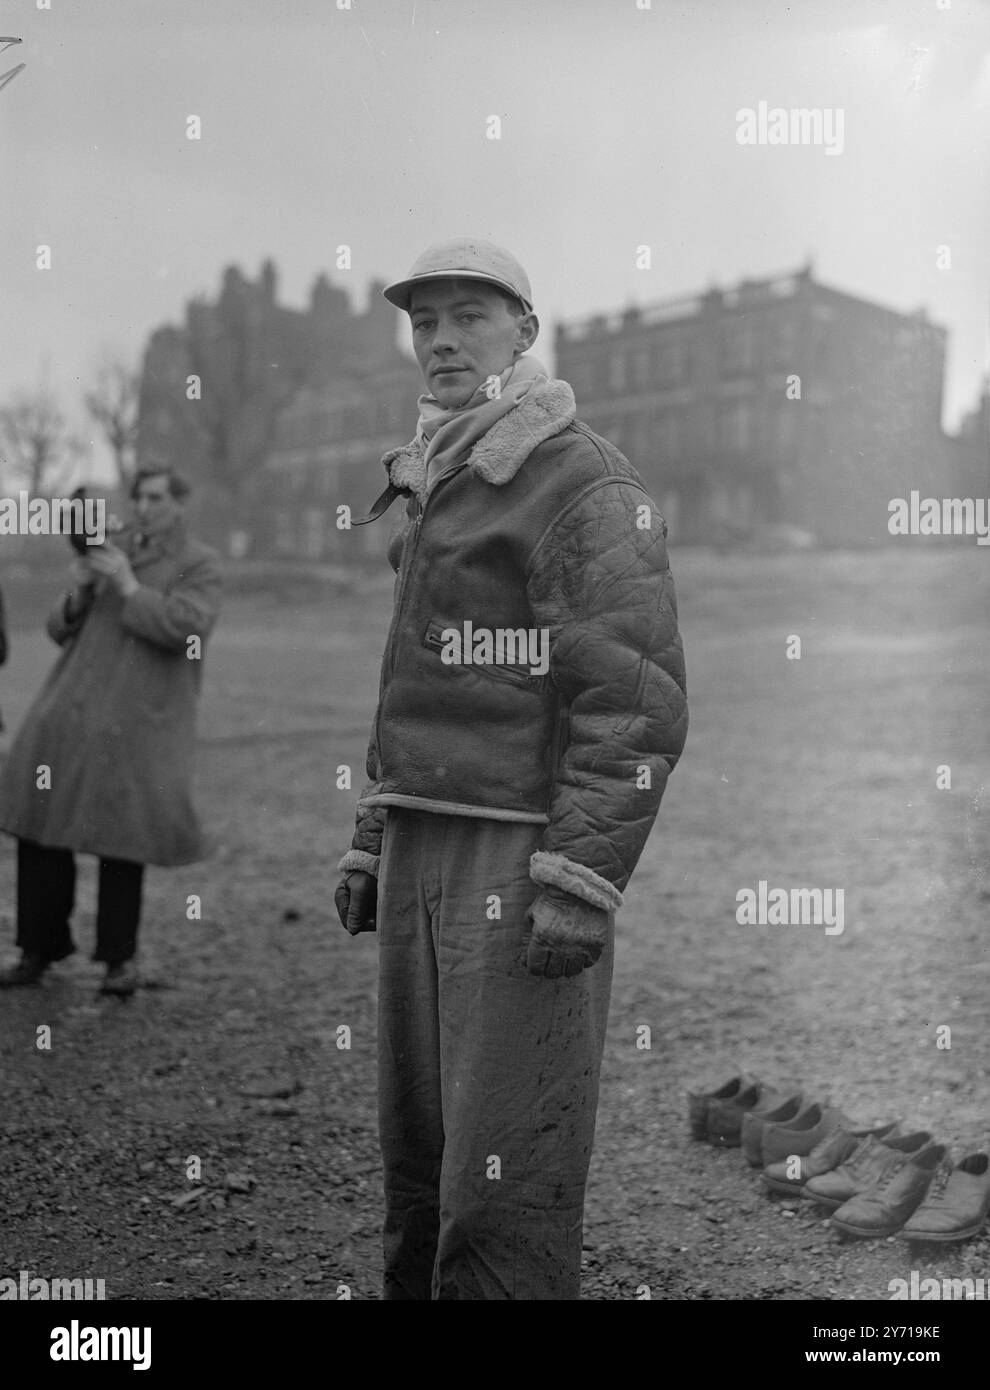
x=532 y=704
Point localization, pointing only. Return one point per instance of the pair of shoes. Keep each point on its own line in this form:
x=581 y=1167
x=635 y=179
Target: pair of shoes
x=790 y=1174
x=896 y=1194
x=700 y=1102
x=120 y=979
x=956 y=1203
x=869 y=1163
x=725 y=1098
x=28 y=971
x=717 y=1115
x=792 y=1128
x=777 y=1109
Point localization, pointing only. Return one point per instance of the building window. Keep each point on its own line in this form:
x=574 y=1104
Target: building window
x=313 y=532
x=737 y=427
x=785 y=431
x=642 y=437
x=786 y=342
x=720 y=504
x=682 y=359
x=738 y=346
x=640 y=369
x=283 y=532
x=617 y=372
x=705 y=429
x=671 y=361
x=668 y=434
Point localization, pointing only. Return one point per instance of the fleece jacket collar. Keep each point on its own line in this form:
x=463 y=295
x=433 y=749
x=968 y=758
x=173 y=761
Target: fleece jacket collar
x=498 y=455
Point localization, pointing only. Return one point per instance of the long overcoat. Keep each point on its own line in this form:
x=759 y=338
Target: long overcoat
x=103 y=763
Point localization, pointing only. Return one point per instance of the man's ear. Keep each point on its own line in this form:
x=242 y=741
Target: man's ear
x=527 y=332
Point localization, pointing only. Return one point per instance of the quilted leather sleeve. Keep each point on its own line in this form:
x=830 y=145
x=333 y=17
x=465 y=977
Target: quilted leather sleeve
x=603 y=588
x=366 y=845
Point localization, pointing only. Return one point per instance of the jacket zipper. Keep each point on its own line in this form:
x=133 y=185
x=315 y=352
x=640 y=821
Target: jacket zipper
x=408 y=558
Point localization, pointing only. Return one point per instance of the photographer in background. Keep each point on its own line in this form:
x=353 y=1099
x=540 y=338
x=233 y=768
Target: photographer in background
x=103 y=762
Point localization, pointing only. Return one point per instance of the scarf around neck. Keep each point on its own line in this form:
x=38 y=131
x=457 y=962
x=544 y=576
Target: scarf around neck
x=448 y=435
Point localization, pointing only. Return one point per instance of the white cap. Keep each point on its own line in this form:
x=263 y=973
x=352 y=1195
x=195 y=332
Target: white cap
x=464 y=258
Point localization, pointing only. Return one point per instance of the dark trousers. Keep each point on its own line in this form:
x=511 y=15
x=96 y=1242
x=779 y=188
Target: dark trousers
x=488 y=1076
x=46 y=891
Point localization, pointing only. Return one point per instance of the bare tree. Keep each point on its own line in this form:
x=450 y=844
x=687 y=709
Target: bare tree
x=113 y=406
x=36 y=442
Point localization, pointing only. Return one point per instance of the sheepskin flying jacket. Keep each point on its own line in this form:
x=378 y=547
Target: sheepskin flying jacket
x=545 y=527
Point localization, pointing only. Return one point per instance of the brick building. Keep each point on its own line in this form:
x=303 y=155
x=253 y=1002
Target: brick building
x=329 y=446
x=778 y=401
x=971 y=451
x=292 y=413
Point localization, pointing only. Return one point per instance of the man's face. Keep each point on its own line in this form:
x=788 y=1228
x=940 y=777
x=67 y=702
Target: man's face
x=154 y=506
x=463 y=333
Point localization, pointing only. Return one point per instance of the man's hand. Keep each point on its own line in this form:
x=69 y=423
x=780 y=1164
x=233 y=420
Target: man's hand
x=80 y=590
x=565 y=934
x=114 y=565
x=356 y=900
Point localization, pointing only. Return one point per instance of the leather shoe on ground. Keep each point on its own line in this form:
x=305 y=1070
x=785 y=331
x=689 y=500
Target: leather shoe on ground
x=725 y=1117
x=120 y=979
x=834 y=1149
x=698 y=1102
x=777 y=1110
x=864 y=1166
x=800 y=1135
x=28 y=971
x=955 y=1205
x=898 y=1191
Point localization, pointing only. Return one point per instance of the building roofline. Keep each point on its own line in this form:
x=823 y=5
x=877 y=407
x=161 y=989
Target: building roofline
x=747 y=293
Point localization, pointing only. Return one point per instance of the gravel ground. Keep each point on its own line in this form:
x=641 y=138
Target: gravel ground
x=814 y=773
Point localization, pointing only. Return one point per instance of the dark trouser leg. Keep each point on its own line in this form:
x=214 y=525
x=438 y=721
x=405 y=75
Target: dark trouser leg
x=409 y=1108
x=46 y=890
x=488 y=1075
x=118 y=911
x=520 y=1061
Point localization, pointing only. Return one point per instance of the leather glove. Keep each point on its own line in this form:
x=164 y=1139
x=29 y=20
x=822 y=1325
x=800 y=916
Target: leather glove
x=564 y=934
x=356 y=900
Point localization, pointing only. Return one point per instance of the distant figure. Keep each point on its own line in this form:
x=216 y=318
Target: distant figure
x=103 y=762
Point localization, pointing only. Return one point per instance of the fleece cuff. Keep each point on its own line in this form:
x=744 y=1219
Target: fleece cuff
x=556 y=871
x=359 y=859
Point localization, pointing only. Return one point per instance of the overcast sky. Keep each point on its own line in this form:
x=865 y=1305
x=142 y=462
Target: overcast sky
x=367 y=126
